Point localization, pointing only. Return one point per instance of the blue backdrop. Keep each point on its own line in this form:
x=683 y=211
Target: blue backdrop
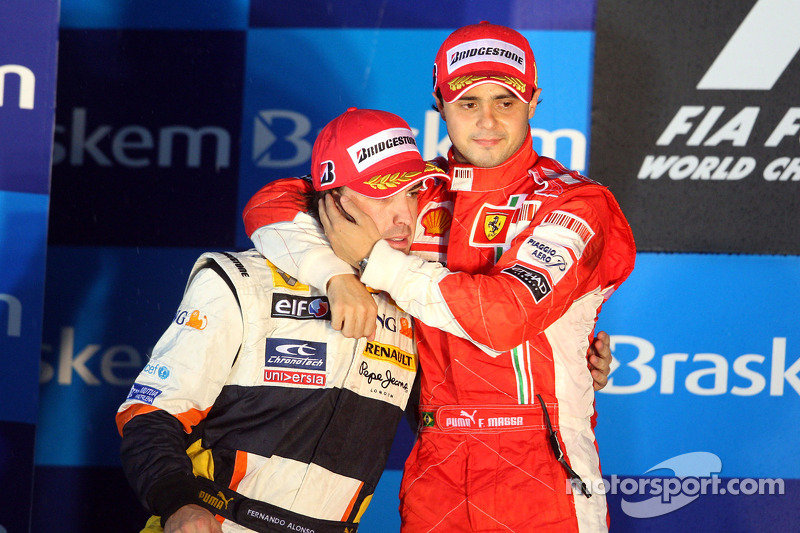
x=171 y=115
x=28 y=38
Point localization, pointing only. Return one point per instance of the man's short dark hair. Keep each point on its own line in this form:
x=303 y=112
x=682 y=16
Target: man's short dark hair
x=313 y=198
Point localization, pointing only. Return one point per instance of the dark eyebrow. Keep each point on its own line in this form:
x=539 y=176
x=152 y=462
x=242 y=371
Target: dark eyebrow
x=506 y=95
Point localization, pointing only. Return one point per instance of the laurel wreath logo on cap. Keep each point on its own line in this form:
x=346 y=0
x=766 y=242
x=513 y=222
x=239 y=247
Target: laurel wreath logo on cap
x=460 y=82
x=390 y=181
x=517 y=83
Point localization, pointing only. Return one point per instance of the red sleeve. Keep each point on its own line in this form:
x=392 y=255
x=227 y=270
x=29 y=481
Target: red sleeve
x=277 y=201
x=566 y=261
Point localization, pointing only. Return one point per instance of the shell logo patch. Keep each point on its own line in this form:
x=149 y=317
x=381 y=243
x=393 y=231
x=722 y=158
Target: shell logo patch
x=436 y=222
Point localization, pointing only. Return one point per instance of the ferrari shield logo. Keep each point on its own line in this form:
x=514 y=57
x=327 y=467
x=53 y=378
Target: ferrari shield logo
x=493 y=224
x=491 y=227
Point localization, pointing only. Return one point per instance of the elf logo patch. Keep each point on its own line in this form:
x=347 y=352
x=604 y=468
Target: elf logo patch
x=300 y=307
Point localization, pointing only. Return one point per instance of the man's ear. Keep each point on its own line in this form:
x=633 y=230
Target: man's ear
x=534 y=102
x=439 y=104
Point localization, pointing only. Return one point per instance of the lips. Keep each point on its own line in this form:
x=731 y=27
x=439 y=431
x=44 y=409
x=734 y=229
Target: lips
x=487 y=142
x=399 y=242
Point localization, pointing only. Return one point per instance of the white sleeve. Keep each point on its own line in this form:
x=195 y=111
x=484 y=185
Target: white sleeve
x=192 y=360
x=300 y=249
x=413 y=283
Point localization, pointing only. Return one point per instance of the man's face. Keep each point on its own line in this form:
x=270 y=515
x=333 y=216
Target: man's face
x=487 y=124
x=395 y=217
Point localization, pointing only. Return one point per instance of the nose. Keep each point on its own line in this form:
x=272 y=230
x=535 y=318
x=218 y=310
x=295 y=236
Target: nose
x=486 y=118
x=403 y=209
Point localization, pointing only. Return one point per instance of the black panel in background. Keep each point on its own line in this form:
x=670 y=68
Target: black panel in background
x=118 y=91
x=447 y=14
x=16 y=463
x=89 y=499
x=649 y=59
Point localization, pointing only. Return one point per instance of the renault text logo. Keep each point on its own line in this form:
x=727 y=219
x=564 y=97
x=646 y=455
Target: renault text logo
x=27 y=84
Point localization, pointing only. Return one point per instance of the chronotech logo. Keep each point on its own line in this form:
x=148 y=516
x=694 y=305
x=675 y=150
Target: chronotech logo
x=296 y=354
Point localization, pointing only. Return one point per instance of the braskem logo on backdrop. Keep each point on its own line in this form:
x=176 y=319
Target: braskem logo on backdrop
x=283 y=138
x=91 y=364
x=702 y=374
x=80 y=143
x=25 y=127
x=27 y=85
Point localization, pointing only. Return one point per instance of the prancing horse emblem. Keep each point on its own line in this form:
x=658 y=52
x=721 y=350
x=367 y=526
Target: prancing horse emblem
x=493 y=224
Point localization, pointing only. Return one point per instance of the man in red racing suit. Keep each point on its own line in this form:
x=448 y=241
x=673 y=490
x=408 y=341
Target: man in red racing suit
x=532 y=250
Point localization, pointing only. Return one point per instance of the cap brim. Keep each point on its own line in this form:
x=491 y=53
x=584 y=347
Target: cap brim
x=474 y=79
x=393 y=180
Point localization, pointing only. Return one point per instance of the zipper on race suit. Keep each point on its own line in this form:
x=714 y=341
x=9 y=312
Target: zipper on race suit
x=559 y=453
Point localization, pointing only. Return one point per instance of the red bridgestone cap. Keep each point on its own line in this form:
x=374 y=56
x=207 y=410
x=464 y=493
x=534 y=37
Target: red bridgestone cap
x=372 y=152
x=485 y=53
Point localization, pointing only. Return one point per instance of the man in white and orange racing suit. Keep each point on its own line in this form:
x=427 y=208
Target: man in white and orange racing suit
x=532 y=252
x=254 y=413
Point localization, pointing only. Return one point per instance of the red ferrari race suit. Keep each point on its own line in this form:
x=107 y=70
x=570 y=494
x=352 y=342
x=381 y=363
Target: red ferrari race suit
x=532 y=251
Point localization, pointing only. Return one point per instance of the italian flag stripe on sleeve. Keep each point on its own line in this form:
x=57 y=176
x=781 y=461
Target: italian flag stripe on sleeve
x=521 y=358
